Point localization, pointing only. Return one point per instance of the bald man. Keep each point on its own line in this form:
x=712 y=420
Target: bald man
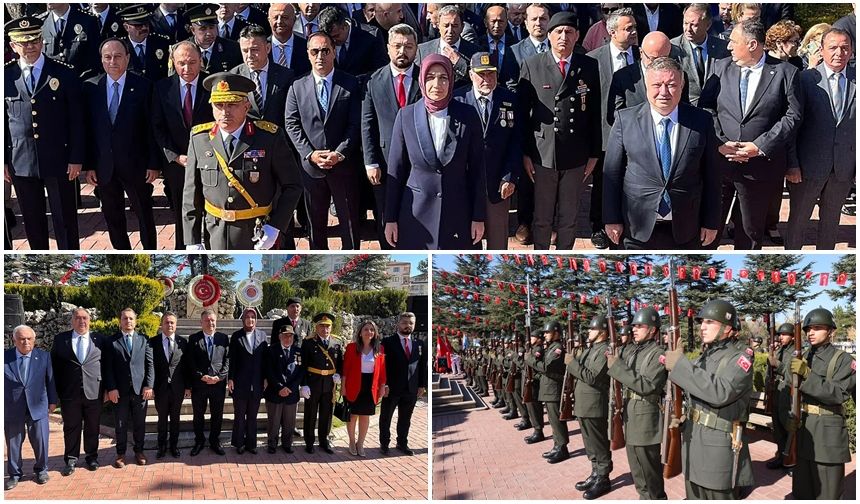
x=628 y=84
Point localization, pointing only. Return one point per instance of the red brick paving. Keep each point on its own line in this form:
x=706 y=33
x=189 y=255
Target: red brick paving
x=94 y=236
x=478 y=455
x=241 y=477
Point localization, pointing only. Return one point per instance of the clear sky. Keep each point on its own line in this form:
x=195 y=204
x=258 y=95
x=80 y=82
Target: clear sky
x=820 y=263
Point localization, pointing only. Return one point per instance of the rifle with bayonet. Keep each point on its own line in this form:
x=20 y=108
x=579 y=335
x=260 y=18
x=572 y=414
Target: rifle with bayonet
x=616 y=398
x=529 y=379
x=569 y=382
x=770 y=383
x=670 y=442
x=790 y=453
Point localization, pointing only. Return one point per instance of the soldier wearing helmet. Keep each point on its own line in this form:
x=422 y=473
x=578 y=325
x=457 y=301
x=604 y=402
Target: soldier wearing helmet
x=534 y=355
x=551 y=367
x=779 y=358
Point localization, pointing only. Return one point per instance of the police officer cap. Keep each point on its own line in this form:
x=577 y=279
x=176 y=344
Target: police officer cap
x=226 y=87
x=137 y=14
x=563 y=18
x=552 y=325
x=786 y=328
x=481 y=63
x=294 y=300
x=599 y=322
x=647 y=316
x=720 y=311
x=24 y=29
x=324 y=318
x=203 y=14
x=819 y=316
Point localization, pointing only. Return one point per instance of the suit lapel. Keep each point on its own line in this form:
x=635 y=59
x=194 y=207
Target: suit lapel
x=415 y=88
x=218 y=145
x=174 y=98
x=850 y=78
x=335 y=92
x=242 y=144
x=421 y=124
x=767 y=73
x=450 y=145
x=646 y=125
x=21 y=85
x=683 y=138
x=311 y=90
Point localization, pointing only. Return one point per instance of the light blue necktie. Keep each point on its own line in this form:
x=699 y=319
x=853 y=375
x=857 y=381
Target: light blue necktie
x=323 y=96
x=128 y=343
x=23 y=368
x=745 y=83
x=114 y=103
x=839 y=96
x=81 y=352
x=665 y=165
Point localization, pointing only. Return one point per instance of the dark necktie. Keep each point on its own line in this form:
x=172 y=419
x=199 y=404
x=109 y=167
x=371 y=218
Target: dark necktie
x=61 y=25
x=225 y=31
x=700 y=64
x=406 y=346
x=209 y=346
x=485 y=110
x=258 y=92
x=23 y=367
x=187 y=107
x=206 y=58
x=494 y=55
x=229 y=145
x=308 y=30
x=665 y=165
x=31 y=81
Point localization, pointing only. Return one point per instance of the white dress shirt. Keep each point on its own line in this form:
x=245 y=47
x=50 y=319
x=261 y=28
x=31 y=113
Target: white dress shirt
x=438 y=129
x=443 y=44
x=616 y=62
x=109 y=85
x=537 y=43
x=64 y=17
x=754 y=79
x=86 y=344
x=673 y=140
x=229 y=25
x=135 y=44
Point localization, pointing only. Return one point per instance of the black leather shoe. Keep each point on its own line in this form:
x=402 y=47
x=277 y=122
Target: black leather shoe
x=309 y=449
x=271 y=450
x=197 y=449
x=10 y=483
x=560 y=455
x=162 y=451
x=217 y=449
x=68 y=470
x=240 y=450
x=252 y=451
x=42 y=478
x=505 y=411
x=175 y=452
x=288 y=449
x=600 y=487
x=775 y=463
x=498 y=405
x=327 y=449
x=548 y=454
x=586 y=483
x=405 y=450
x=600 y=240
x=511 y=416
x=537 y=437
x=523 y=426
x=384 y=449
x=92 y=465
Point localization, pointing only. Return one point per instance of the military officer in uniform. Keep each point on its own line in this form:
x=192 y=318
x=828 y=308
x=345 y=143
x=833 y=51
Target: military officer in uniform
x=149 y=51
x=322 y=357
x=591 y=407
x=219 y=54
x=72 y=36
x=535 y=407
x=497 y=367
x=45 y=143
x=108 y=20
x=551 y=368
x=827 y=375
x=481 y=365
x=780 y=359
x=643 y=377
x=517 y=394
x=240 y=172
x=717 y=386
x=509 y=355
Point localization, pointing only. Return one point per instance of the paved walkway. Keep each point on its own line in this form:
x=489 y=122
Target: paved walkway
x=239 y=477
x=478 y=455
x=94 y=235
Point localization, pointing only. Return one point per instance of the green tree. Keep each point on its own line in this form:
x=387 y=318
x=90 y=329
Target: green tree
x=846 y=264
x=422 y=266
x=368 y=274
x=129 y=264
x=753 y=297
x=310 y=267
x=33 y=268
x=845 y=317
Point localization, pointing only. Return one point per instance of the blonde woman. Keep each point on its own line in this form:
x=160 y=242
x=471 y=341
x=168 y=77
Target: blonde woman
x=810 y=47
x=363 y=381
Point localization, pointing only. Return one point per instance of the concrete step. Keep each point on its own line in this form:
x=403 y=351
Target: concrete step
x=453 y=395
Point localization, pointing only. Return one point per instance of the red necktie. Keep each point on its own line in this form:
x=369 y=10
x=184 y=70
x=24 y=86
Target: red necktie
x=406 y=348
x=562 y=66
x=401 y=91
x=186 y=106
x=308 y=28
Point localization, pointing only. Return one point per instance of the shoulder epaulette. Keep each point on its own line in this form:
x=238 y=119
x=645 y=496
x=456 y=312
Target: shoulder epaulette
x=266 y=125
x=200 y=128
x=165 y=37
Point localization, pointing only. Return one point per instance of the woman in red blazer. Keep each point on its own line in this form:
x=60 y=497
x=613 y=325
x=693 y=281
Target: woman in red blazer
x=363 y=381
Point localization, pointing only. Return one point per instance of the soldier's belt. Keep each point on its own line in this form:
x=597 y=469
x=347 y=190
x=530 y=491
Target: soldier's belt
x=236 y=215
x=711 y=420
x=820 y=409
x=653 y=399
x=321 y=372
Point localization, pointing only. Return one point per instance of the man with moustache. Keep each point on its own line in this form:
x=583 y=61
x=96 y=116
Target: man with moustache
x=149 y=51
x=450 y=44
x=288 y=49
x=301 y=327
x=218 y=54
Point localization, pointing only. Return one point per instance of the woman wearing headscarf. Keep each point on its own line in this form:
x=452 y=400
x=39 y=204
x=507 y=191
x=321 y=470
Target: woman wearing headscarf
x=435 y=176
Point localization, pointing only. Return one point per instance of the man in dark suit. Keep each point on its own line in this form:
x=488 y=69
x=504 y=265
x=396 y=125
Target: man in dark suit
x=823 y=165
x=169 y=21
x=451 y=44
x=301 y=327
x=284 y=374
x=323 y=117
x=172 y=382
x=384 y=17
x=149 y=51
x=406 y=381
x=498 y=42
x=253 y=16
x=109 y=21
x=80 y=361
x=272 y=80
x=122 y=155
x=661 y=176
x=218 y=54
x=45 y=136
x=560 y=94
x=288 y=49
x=662 y=17
x=503 y=153
x=308 y=19
x=389 y=89
x=620 y=52
x=772 y=13
x=229 y=26
x=209 y=352
x=29 y=396
x=72 y=36
x=755 y=101
x=516 y=21
x=129 y=381
x=248 y=349
x=179 y=102
x=357 y=52
x=698 y=51
x=322 y=358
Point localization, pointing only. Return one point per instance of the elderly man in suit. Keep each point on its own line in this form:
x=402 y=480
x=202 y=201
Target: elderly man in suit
x=245 y=380
x=172 y=383
x=272 y=80
x=661 y=176
x=406 y=372
x=823 y=165
x=323 y=117
x=129 y=381
x=219 y=54
x=288 y=49
x=498 y=43
x=29 y=396
x=450 y=44
x=284 y=374
x=389 y=89
x=357 y=52
x=502 y=134
x=80 y=362
x=209 y=352
x=122 y=159
x=560 y=93
x=755 y=101
x=179 y=102
x=698 y=51
x=302 y=327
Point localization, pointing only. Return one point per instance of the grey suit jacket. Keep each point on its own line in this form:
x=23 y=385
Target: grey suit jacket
x=717 y=49
x=278 y=82
x=524 y=49
x=823 y=143
x=603 y=56
x=129 y=371
x=461 y=69
x=71 y=375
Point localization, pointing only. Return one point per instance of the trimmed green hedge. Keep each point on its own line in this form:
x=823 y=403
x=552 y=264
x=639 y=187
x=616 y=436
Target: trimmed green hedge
x=380 y=303
x=146 y=324
x=808 y=14
x=129 y=264
x=45 y=297
x=315 y=288
x=111 y=294
x=275 y=294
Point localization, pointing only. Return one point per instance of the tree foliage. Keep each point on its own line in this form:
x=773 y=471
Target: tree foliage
x=368 y=274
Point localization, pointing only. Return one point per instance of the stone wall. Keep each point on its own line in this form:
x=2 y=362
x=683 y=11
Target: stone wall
x=49 y=323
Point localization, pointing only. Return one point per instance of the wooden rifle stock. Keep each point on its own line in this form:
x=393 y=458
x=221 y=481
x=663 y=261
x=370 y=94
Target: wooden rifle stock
x=670 y=443
x=790 y=454
x=509 y=383
x=770 y=383
x=616 y=397
x=529 y=379
x=569 y=382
